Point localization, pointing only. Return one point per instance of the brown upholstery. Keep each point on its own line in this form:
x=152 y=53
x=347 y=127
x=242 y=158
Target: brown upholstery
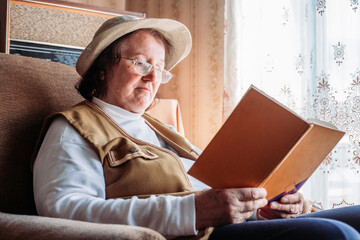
x=30 y=90
x=44 y=228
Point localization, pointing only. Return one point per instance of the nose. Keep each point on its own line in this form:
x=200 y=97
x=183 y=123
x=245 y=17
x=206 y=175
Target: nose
x=152 y=76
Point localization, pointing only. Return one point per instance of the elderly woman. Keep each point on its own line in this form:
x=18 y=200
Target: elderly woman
x=104 y=160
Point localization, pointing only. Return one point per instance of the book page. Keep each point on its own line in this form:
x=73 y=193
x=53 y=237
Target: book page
x=322 y=123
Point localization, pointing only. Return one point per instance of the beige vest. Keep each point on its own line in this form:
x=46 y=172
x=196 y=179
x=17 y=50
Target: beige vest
x=131 y=166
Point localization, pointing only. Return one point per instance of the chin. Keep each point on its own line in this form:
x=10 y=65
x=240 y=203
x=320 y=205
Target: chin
x=140 y=108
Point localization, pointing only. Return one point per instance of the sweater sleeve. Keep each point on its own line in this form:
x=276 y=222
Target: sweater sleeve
x=69 y=183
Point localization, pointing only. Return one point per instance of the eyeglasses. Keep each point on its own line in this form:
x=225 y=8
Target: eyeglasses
x=144 y=68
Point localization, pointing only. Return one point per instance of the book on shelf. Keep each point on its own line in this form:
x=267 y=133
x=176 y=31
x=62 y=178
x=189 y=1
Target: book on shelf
x=265 y=144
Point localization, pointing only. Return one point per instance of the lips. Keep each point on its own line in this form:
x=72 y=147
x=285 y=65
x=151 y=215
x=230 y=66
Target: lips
x=144 y=88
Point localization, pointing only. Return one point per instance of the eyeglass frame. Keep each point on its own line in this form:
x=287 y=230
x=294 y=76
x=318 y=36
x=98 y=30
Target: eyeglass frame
x=135 y=61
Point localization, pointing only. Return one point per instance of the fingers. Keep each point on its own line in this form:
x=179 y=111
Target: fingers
x=288 y=208
x=241 y=199
x=290 y=204
x=245 y=194
x=250 y=205
x=215 y=207
x=250 y=199
x=292 y=198
x=268 y=213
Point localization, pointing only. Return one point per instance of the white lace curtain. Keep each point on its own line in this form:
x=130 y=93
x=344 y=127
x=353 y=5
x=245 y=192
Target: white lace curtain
x=306 y=54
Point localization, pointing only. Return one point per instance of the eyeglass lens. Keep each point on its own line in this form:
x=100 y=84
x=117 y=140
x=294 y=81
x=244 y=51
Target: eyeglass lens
x=144 y=68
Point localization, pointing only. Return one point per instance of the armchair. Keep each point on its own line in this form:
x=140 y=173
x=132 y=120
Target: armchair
x=30 y=90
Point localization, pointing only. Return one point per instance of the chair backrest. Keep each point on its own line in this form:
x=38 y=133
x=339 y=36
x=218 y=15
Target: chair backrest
x=30 y=89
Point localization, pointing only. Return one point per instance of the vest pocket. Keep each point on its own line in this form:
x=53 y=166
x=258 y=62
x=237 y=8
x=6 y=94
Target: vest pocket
x=115 y=161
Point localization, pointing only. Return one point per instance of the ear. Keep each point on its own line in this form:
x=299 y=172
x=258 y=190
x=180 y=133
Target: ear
x=102 y=75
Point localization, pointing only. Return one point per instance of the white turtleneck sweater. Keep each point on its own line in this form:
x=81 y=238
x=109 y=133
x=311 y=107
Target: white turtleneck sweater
x=69 y=181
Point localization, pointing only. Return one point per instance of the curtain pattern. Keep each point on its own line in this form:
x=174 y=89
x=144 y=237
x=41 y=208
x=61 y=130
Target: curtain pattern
x=306 y=54
x=198 y=79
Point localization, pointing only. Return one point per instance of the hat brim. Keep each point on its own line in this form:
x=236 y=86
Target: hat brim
x=175 y=32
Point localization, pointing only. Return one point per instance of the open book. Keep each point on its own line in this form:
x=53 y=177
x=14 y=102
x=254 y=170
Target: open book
x=264 y=144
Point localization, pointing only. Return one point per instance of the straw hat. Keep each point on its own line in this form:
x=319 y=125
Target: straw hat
x=175 y=32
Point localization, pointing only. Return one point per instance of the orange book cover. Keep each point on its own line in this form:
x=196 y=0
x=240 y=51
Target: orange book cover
x=264 y=144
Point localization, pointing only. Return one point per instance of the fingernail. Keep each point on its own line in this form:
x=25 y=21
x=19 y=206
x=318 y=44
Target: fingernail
x=264 y=191
x=285 y=200
x=274 y=204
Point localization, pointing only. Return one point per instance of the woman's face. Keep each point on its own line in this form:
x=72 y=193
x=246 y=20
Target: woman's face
x=126 y=88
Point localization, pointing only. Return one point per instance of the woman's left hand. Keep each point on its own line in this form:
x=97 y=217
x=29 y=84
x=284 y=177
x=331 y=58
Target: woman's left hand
x=289 y=206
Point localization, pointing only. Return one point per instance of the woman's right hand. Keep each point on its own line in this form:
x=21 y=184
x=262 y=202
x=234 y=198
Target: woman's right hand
x=216 y=207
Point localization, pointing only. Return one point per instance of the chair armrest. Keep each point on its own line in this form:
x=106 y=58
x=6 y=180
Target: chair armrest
x=168 y=112
x=35 y=227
